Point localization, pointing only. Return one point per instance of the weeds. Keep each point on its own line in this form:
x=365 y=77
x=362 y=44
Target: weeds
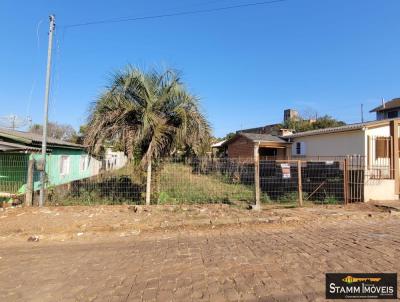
x=177 y=184
x=328 y=200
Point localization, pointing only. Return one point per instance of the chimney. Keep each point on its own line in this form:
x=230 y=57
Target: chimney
x=383 y=103
x=284 y=132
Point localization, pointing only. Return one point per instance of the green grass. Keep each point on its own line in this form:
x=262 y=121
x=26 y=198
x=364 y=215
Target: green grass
x=291 y=197
x=328 y=200
x=177 y=184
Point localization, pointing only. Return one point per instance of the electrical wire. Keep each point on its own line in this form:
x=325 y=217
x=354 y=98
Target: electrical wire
x=176 y=14
x=34 y=80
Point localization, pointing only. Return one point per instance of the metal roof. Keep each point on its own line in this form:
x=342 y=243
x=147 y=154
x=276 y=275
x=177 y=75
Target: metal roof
x=349 y=127
x=395 y=103
x=6 y=146
x=256 y=137
x=35 y=139
x=218 y=144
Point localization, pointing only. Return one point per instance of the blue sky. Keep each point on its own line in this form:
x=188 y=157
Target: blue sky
x=246 y=65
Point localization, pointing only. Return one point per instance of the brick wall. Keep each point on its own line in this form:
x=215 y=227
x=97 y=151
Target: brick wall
x=242 y=148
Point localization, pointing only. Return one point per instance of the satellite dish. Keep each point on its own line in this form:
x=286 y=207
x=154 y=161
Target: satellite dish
x=14 y=122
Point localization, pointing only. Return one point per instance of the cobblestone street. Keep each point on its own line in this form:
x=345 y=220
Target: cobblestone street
x=242 y=263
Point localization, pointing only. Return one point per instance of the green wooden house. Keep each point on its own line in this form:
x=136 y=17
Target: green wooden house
x=66 y=161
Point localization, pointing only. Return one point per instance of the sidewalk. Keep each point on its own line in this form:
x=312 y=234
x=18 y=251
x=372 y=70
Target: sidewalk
x=389 y=205
x=82 y=223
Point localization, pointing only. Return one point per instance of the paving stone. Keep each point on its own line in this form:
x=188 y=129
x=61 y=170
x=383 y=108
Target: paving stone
x=251 y=263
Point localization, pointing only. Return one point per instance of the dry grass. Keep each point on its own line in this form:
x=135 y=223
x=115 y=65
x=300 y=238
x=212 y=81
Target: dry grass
x=177 y=184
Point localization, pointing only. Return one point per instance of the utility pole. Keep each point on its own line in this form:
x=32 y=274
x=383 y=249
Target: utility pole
x=362 y=113
x=46 y=109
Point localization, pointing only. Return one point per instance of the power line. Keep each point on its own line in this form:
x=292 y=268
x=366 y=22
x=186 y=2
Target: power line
x=34 y=80
x=184 y=13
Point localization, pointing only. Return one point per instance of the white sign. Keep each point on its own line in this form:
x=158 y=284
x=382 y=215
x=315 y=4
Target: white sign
x=285 y=171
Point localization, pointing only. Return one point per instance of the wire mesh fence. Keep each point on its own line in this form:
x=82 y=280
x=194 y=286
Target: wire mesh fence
x=318 y=181
x=125 y=185
x=198 y=180
x=204 y=180
x=13 y=168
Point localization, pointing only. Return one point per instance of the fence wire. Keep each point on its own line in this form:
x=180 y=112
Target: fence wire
x=321 y=181
x=197 y=180
x=204 y=180
x=13 y=172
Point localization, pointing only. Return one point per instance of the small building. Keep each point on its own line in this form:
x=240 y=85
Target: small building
x=290 y=114
x=243 y=144
x=65 y=161
x=114 y=159
x=371 y=147
x=388 y=110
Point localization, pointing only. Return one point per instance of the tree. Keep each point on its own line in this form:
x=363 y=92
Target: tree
x=327 y=122
x=149 y=114
x=58 y=131
x=301 y=125
x=229 y=136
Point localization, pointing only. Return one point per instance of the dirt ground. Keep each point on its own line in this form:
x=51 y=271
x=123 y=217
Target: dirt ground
x=197 y=253
x=82 y=222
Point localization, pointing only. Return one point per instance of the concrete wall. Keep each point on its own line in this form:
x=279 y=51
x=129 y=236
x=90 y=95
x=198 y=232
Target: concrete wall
x=114 y=159
x=379 y=189
x=379 y=131
x=333 y=144
x=376 y=164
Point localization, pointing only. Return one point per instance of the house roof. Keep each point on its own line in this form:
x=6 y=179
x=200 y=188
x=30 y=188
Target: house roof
x=350 y=127
x=35 y=139
x=256 y=137
x=263 y=129
x=218 y=144
x=395 y=103
x=263 y=138
x=6 y=146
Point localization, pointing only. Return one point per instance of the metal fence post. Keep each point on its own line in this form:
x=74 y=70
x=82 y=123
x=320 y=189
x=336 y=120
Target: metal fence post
x=29 y=184
x=300 y=185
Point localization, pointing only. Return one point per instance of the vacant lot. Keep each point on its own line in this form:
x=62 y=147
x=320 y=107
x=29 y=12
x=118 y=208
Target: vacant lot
x=248 y=262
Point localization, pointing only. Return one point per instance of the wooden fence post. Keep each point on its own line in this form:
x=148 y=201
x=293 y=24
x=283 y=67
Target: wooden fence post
x=257 y=177
x=300 y=185
x=29 y=183
x=345 y=182
x=148 y=184
x=394 y=133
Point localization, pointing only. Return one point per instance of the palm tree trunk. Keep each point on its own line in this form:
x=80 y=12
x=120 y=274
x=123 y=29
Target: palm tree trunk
x=148 y=185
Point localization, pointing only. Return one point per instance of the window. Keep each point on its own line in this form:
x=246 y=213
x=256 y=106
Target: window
x=382 y=147
x=298 y=148
x=392 y=114
x=64 y=165
x=84 y=163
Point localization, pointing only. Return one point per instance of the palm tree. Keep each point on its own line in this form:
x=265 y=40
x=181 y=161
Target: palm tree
x=149 y=113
